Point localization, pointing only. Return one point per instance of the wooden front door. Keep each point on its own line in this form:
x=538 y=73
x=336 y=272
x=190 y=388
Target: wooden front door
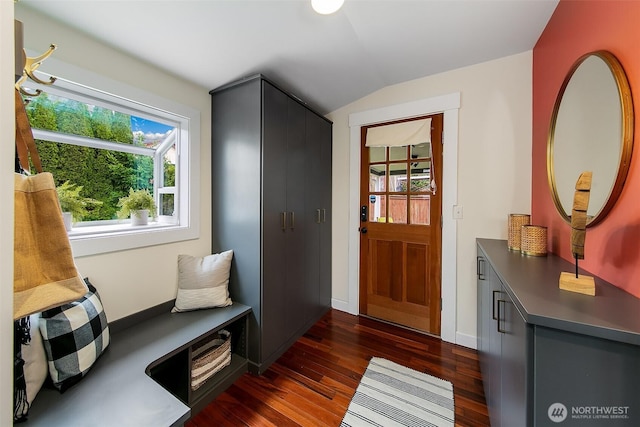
x=400 y=231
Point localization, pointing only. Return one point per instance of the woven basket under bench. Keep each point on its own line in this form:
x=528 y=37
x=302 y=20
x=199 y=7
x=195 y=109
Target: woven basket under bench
x=209 y=357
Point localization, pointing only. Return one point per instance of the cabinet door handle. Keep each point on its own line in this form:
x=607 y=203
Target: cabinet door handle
x=324 y=215
x=283 y=217
x=318 y=216
x=479 y=269
x=293 y=220
x=493 y=308
x=499 y=316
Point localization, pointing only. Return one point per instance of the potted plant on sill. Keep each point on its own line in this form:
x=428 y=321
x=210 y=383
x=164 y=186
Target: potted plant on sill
x=139 y=204
x=74 y=206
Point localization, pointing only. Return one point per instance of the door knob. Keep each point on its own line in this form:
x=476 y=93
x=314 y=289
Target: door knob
x=363 y=230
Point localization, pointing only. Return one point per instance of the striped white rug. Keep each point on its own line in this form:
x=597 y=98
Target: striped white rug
x=393 y=395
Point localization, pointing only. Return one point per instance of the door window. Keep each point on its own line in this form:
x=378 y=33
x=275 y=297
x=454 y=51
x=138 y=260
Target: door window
x=399 y=184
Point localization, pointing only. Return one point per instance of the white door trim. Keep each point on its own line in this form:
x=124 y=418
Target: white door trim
x=449 y=105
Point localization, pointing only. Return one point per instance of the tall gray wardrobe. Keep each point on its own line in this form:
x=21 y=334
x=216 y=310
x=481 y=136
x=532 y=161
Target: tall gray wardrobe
x=271 y=204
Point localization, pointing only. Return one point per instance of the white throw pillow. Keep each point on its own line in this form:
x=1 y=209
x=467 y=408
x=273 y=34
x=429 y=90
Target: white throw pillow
x=35 y=361
x=35 y=366
x=203 y=282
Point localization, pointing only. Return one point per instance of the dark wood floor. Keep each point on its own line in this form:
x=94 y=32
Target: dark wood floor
x=313 y=382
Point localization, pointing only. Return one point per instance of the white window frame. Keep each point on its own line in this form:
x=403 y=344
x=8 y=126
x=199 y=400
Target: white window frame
x=93 y=240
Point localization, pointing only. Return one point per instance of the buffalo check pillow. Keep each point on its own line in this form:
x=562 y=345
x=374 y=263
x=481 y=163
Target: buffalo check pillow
x=74 y=336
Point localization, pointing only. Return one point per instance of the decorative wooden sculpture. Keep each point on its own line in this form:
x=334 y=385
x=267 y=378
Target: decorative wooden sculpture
x=573 y=281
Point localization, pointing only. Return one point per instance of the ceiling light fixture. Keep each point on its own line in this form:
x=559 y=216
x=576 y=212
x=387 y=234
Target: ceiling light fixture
x=326 y=7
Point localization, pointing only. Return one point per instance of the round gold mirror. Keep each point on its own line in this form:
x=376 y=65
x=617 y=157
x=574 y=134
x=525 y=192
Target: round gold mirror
x=591 y=130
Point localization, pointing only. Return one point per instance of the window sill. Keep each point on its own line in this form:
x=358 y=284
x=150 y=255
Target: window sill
x=97 y=239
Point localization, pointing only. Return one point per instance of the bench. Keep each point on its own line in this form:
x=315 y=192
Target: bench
x=143 y=377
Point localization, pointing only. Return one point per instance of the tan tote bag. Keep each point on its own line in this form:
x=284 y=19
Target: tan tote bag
x=45 y=274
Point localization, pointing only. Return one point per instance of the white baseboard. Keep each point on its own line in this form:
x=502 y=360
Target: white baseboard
x=465 y=340
x=341 y=305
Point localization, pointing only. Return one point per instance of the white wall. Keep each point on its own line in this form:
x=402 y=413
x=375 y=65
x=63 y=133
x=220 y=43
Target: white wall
x=7 y=135
x=494 y=163
x=133 y=280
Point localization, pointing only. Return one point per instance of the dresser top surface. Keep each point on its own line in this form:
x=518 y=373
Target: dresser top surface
x=532 y=283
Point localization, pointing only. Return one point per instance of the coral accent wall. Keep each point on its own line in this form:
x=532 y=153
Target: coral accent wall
x=612 y=249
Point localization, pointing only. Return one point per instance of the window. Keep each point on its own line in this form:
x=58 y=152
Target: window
x=400 y=172
x=390 y=198
x=108 y=144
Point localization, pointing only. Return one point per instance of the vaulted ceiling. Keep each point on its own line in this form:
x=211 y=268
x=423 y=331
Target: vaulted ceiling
x=327 y=60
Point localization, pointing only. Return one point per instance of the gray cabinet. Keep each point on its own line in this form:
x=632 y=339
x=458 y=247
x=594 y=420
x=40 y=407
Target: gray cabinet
x=550 y=356
x=513 y=361
x=318 y=218
x=502 y=348
x=271 y=201
x=487 y=336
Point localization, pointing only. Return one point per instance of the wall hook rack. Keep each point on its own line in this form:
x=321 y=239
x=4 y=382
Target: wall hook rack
x=30 y=66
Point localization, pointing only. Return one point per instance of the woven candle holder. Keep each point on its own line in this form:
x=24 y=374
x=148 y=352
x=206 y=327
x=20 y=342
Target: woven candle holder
x=534 y=240
x=516 y=221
